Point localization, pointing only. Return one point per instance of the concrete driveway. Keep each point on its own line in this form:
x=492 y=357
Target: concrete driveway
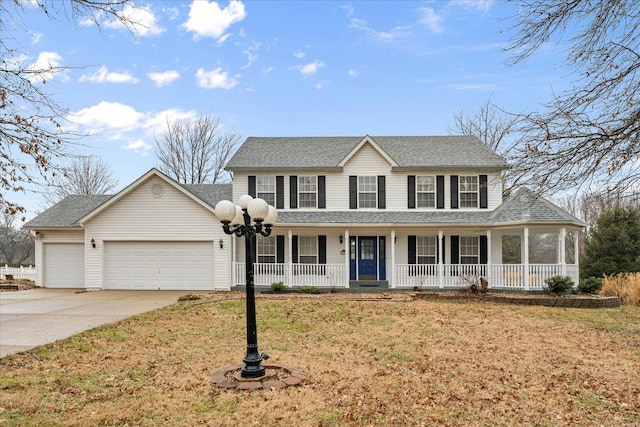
x=40 y=316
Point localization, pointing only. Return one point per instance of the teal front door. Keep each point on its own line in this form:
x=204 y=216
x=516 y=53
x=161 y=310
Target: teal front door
x=367 y=258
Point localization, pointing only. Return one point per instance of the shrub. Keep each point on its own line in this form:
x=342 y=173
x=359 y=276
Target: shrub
x=558 y=285
x=626 y=286
x=278 y=287
x=308 y=289
x=590 y=285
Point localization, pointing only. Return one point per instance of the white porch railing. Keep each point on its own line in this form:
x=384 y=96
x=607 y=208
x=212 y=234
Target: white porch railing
x=316 y=275
x=18 y=272
x=499 y=276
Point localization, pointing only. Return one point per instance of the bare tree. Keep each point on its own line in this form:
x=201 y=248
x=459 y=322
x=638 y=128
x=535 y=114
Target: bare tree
x=16 y=246
x=590 y=133
x=31 y=121
x=496 y=128
x=85 y=175
x=195 y=152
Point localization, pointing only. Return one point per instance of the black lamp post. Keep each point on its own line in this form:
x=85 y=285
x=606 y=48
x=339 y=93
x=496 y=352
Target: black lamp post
x=238 y=220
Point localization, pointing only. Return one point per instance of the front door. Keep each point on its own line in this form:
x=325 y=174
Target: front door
x=367 y=258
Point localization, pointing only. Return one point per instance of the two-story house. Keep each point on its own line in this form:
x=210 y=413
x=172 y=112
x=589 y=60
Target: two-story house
x=397 y=212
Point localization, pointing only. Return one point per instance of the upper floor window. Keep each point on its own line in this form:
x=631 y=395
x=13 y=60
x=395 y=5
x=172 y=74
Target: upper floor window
x=307 y=191
x=308 y=250
x=367 y=191
x=266 y=189
x=266 y=248
x=426 y=249
x=468 y=191
x=426 y=191
x=469 y=250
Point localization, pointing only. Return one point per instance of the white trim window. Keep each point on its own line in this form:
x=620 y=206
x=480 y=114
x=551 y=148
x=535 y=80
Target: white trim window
x=426 y=191
x=307 y=191
x=367 y=191
x=469 y=191
x=469 y=250
x=426 y=249
x=266 y=189
x=266 y=249
x=308 y=250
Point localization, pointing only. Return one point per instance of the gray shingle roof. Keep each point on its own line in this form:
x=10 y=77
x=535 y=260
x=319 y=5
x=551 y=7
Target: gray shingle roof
x=210 y=193
x=450 y=151
x=384 y=217
x=67 y=212
x=525 y=205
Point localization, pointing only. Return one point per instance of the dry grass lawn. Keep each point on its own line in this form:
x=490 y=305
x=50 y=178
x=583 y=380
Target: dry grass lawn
x=370 y=363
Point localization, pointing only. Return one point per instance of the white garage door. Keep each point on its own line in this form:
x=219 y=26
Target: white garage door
x=159 y=265
x=63 y=265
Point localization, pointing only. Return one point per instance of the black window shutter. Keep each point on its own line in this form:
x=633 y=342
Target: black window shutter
x=280 y=249
x=454 y=192
x=322 y=193
x=322 y=249
x=294 y=249
x=483 y=192
x=440 y=191
x=293 y=191
x=252 y=185
x=353 y=192
x=411 y=248
x=279 y=192
x=411 y=191
x=382 y=198
x=483 y=250
x=455 y=250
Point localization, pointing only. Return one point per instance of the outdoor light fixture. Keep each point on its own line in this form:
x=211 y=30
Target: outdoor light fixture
x=221 y=243
x=93 y=243
x=340 y=239
x=237 y=220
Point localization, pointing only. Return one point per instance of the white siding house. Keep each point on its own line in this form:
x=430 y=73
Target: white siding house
x=385 y=212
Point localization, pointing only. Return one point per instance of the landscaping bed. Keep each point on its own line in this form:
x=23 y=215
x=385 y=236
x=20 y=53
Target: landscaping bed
x=567 y=301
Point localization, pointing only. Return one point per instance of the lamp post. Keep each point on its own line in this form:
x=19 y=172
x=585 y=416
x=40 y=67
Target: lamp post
x=238 y=220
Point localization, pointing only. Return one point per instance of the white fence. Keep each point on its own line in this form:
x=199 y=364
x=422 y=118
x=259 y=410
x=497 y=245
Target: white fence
x=316 y=275
x=18 y=272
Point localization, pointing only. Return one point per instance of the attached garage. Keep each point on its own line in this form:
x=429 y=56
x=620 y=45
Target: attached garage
x=63 y=265
x=159 y=265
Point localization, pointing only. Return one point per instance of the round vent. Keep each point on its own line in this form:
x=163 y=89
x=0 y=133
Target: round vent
x=157 y=190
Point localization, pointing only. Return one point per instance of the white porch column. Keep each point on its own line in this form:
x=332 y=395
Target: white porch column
x=393 y=258
x=489 y=261
x=576 y=257
x=234 y=279
x=347 y=258
x=440 y=260
x=525 y=256
x=561 y=249
x=289 y=282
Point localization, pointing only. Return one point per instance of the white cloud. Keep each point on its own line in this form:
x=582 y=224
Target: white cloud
x=139 y=146
x=348 y=9
x=108 y=115
x=431 y=20
x=267 y=70
x=206 y=19
x=321 y=85
x=45 y=67
x=164 y=78
x=158 y=121
x=382 y=36
x=310 y=69
x=353 y=73
x=35 y=37
x=144 y=21
x=215 y=79
x=251 y=54
x=104 y=76
x=299 y=54
x=481 y=5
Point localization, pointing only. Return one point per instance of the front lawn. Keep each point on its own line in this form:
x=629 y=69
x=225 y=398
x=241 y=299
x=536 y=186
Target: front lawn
x=370 y=363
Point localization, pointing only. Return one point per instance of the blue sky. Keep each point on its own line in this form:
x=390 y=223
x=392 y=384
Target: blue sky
x=285 y=68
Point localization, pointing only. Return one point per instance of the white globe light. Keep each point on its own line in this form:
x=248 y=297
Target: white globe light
x=238 y=219
x=225 y=210
x=258 y=209
x=244 y=201
x=272 y=216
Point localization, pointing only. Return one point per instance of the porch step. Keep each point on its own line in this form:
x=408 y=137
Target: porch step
x=369 y=285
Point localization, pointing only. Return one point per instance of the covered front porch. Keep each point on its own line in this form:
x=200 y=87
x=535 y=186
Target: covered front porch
x=516 y=258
